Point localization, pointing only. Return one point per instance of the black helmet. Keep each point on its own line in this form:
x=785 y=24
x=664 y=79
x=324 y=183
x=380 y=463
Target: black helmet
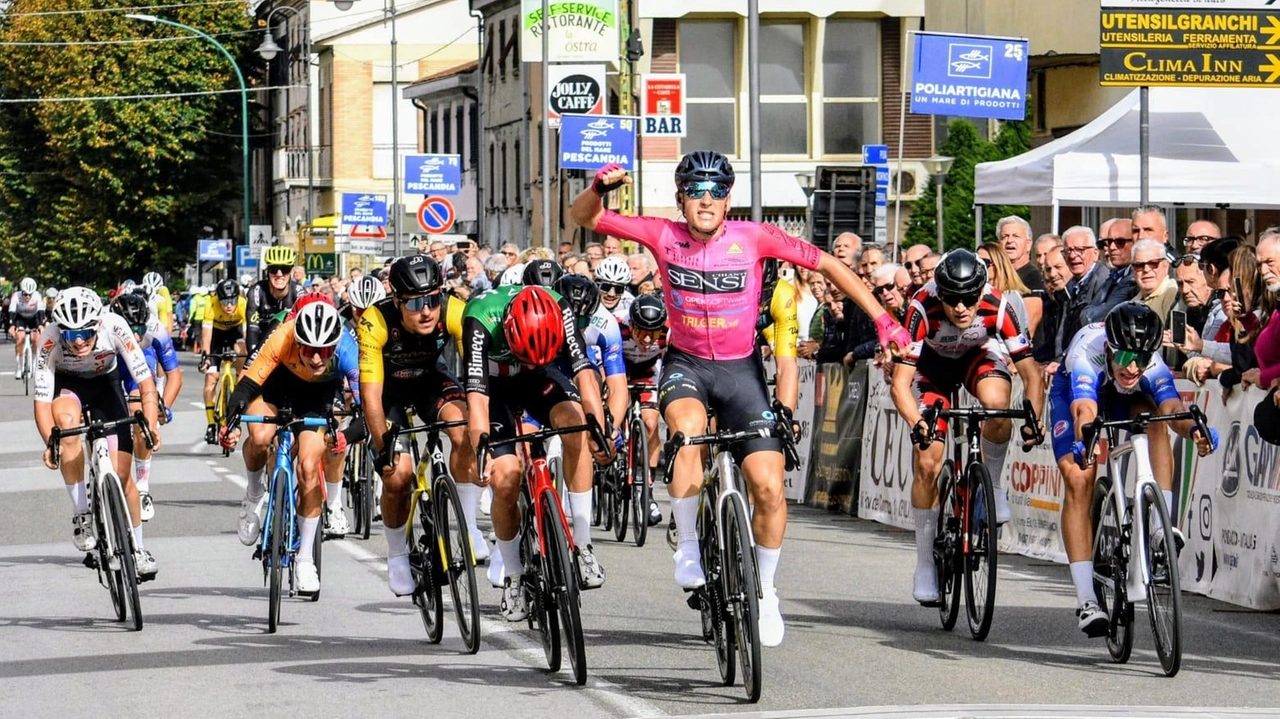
x=133 y=308
x=415 y=275
x=704 y=165
x=542 y=273
x=1134 y=327
x=960 y=277
x=227 y=290
x=582 y=293
x=648 y=313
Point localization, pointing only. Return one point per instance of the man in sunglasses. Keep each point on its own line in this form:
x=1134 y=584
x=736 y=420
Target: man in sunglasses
x=1116 y=241
x=613 y=274
x=223 y=332
x=301 y=365
x=77 y=356
x=958 y=323
x=911 y=260
x=1113 y=368
x=402 y=338
x=270 y=297
x=711 y=277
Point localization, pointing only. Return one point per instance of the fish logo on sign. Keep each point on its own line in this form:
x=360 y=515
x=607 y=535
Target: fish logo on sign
x=970 y=61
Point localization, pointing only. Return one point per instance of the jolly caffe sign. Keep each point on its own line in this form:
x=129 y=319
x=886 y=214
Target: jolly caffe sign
x=581 y=31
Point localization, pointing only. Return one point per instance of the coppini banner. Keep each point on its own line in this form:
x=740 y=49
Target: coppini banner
x=580 y=31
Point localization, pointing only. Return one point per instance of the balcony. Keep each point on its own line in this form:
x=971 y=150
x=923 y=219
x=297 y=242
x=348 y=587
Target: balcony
x=289 y=165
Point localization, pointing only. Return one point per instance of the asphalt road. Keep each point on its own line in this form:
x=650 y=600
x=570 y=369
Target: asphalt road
x=854 y=637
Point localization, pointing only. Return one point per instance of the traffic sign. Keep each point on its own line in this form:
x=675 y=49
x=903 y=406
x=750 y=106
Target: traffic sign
x=362 y=208
x=368 y=232
x=436 y=215
x=246 y=257
x=875 y=154
x=432 y=174
x=214 y=250
x=365 y=247
x=1181 y=47
x=260 y=235
x=970 y=76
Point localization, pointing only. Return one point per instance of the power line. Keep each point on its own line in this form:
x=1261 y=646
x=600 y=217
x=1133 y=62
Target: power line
x=47 y=13
x=130 y=41
x=157 y=96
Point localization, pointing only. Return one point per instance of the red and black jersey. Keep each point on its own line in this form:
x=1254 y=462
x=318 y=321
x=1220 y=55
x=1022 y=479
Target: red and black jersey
x=995 y=323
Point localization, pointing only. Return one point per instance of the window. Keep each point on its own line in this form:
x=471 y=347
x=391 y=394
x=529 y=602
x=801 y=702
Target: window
x=493 y=176
x=850 y=86
x=519 y=179
x=429 y=140
x=446 y=137
x=383 y=146
x=784 y=100
x=459 y=131
x=502 y=43
x=708 y=58
x=505 y=176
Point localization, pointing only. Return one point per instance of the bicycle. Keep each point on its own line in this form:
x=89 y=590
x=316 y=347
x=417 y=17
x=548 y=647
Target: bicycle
x=113 y=557
x=965 y=548
x=729 y=602
x=278 y=546
x=1134 y=552
x=26 y=363
x=547 y=550
x=225 y=386
x=439 y=542
x=631 y=474
x=359 y=477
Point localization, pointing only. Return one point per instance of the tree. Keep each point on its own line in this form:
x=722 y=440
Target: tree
x=968 y=148
x=99 y=190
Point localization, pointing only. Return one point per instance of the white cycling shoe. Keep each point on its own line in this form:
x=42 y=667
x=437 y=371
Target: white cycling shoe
x=689 y=574
x=772 y=628
x=399 y=576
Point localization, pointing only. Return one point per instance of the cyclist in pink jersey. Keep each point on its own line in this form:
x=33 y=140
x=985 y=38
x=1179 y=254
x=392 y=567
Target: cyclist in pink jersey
x=712 y=272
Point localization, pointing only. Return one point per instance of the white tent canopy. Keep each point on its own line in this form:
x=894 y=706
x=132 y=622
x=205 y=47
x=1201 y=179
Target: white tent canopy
x=1209 y=146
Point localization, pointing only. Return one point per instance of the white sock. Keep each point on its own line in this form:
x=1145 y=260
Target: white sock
x=79 y=497
x=397 y=545
x=580 y=506
x=142 y=474
x=469 y=494
x=767 y=565
x=685 y=511
x=993 y=459
x=333 y=495
x=1168 y=503
x=137 y=537
x=510 y=551
x=253 y=489
x=307 y=537
x=1082 y=577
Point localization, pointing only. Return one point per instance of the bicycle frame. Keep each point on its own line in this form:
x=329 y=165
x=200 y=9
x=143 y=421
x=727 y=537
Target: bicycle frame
x=282 y=471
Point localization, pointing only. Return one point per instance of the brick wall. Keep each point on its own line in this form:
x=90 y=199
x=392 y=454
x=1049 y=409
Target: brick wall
x=352 y=118
x=918 y=139
x=663 y=50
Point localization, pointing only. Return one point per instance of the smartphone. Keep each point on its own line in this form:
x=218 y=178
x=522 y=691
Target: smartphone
x=1178 y=325
x=1239 y=290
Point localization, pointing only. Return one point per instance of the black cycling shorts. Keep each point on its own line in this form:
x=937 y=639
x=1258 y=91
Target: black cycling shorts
x=26 y=324
x=426 y=394
x=102 y=398
x=305 y=399
x=733 y=389
x=535 y=392
x=224 y=341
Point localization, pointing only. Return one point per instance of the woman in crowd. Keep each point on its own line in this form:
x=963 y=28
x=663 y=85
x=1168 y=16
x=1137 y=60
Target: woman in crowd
x=1028 y=308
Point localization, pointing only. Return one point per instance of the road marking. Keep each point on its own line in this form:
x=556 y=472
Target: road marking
x=523 y=647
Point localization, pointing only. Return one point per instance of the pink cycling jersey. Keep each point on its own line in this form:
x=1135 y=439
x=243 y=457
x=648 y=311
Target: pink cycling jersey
x=712 y=289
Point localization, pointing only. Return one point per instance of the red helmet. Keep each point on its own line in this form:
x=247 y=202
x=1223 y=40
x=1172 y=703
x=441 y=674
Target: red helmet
x=534 y=326
x=304 y=300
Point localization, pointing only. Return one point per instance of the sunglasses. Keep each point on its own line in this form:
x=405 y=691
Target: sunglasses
x=1189 y=259
x=1118 y=241
x=509 y=253
x=138 y=330
x=881 y=289
x=1153 y=265
x=911 y=264
x=417 y=304
x=989 y=263
x=611 y=288
x=695 y=190
x=85 y=334
x=1124 y=358
x=955 y=300
x=323 y=353
x=279 y=270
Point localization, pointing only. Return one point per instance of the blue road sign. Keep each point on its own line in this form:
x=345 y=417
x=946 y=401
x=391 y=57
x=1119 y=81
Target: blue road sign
x=589 y=142
x=432 y=174
x=246 y=258
x=360 y=208
x=970 y=76
x=875 y=154
x=214 y=250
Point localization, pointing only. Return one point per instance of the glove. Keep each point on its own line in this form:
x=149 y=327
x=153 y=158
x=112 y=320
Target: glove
x=203 y=365
x=617 y=439
x=168 y=413
x=1213 y=438
x=888 y=331
x=788 y=420
x=599 y=185
x=225 y=439
x=339 y=443
x=1030 y=436
x=920 y=434
x=1077 y=452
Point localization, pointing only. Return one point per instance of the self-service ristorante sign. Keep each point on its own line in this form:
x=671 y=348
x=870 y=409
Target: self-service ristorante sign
x=582 y=31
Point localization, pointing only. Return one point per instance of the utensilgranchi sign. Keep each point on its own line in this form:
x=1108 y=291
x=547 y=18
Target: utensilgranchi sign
x=581 y=31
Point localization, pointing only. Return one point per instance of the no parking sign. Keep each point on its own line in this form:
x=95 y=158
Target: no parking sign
x=436 y=215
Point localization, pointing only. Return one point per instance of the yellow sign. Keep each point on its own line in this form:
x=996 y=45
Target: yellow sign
x=1171 y=47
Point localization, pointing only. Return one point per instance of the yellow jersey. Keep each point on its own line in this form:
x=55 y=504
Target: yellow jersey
x=784 y=332
x=223 y=320
x=164 y=307
x=389 y=352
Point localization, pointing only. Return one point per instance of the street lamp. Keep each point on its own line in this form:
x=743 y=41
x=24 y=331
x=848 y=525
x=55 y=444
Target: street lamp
x=805 y=180
x=267 y=51
x=244 y=101
x=938 y=166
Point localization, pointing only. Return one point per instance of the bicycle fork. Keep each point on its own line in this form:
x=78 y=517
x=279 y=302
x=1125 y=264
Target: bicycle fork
x=1136 y=520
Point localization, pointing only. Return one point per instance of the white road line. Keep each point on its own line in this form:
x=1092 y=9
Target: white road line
x=524 y=648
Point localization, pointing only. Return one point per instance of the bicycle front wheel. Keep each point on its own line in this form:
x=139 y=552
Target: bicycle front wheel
x=459 y=562
x=1110 y=571
x=742 y=588
x=277 y=531
x=641 y=493
x=317 y=549
x=947 y=544
x=542 y=615
x=715 y=610
x=28 y=363
x=424 y=563
x=1164 y=590
x=621 y=499
x=564 y=587
x=107 y=566
x=122 y=539
x=368 y=497
x=981 y=559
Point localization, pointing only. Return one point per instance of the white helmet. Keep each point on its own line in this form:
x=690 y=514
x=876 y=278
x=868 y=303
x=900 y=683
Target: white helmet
x=318 y=325
x=76 y=308
x=128 y=285
x=613 y=269
x=28 y=286
x=152 y=281
x=51 y=292
x=365 y=291
x=513 y=275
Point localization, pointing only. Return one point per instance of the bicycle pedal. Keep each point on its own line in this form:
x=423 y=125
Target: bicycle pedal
x=257 y=554
x=144 y=578
x=90 y=561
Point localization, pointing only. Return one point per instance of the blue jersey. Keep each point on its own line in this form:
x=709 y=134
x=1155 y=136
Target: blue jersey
x=157 y=347
x=604 y=343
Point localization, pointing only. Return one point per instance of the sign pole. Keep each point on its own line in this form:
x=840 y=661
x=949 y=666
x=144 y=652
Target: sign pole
x=753 y=104
x=546 y=128
x=1144 y=145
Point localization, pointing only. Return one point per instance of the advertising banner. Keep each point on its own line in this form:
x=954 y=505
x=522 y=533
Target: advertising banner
x=575 y=90
x=840 y=399
x=970 y=76
x=662 y=107
x=579 y=31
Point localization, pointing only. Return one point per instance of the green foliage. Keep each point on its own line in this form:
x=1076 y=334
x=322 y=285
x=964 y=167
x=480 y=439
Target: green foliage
x=92 y=192
x=968 y=148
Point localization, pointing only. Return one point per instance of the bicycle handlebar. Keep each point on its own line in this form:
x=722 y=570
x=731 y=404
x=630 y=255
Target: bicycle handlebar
x=98 y=429
x=1092 y=432
x=483 y=447
x=676 y=441
x=1027 y=413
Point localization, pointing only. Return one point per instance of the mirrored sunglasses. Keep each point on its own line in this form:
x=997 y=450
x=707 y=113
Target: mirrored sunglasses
x=323 y=353
x=611 y=288
x=955 y=300
x=695 y=190
x=417 y=304
x=1124 y=358
x=83 y=334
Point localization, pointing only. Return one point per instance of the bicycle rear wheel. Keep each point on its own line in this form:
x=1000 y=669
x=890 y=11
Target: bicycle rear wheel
x=563 y=580
x=715 y=607
x=542 y=616
x=742 y=587
x=1110 y=570
x=369 y=498
x=317 y=549
x=122 y=539
x=597 y=500
x=28 y=363
x=621 y=499
x=424 y=563
x=276 y=532
x=641 y=493
x=1164 y=589
x=947 y=547
x=459 y=563
x=980 y=562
